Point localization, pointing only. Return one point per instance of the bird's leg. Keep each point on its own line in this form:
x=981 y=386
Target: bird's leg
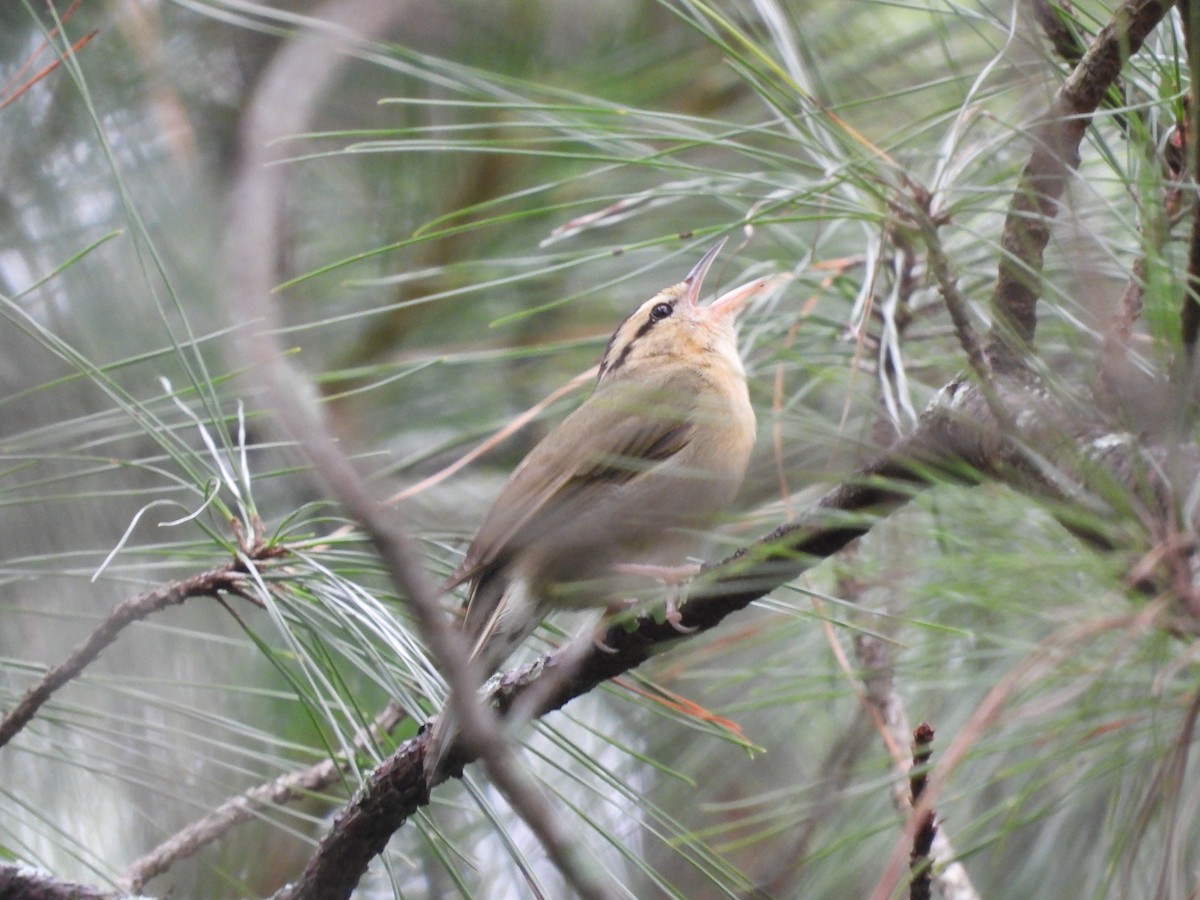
x=671 y=576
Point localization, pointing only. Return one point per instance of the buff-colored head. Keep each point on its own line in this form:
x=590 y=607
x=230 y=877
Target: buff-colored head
x=671 y=327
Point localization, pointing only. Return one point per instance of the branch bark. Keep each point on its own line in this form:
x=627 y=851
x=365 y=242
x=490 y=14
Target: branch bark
x=19 y=883
x=1055 y=156
x=242 y=808
x=206 y=584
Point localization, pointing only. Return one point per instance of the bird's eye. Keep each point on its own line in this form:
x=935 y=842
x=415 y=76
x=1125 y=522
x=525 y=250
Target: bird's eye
x=661 y=311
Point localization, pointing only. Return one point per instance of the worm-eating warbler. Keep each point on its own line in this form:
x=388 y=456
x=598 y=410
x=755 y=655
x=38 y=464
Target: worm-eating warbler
x=627 y=481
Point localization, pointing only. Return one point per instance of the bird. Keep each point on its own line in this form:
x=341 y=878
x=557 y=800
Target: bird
x=624 y=488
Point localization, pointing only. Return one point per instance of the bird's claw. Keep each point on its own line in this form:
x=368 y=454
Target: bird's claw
x=598 y=643
x=675 y=618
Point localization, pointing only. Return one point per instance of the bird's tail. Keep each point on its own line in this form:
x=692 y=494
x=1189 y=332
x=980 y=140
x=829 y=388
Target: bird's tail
x=513 y=617
x=442 y=734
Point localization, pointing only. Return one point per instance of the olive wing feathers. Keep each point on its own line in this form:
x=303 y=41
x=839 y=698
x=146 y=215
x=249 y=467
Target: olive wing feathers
x=617 y=435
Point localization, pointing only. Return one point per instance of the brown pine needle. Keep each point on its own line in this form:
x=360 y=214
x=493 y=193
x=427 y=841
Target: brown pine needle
x=507 y=431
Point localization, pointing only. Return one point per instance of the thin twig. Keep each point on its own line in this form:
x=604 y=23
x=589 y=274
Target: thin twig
x=227 y=578
x=885 y=706
x=286 y=788
x=498 y=437
x=1155 y=229
x=1034 y=666
x=951 y=876
x=1129 y=309
x=921 y=858
x=956 y=305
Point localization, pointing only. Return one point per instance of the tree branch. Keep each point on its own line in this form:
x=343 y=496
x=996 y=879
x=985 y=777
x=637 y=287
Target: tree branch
x=206 y=584
x=921 y=859
x=1055 y=155
x=892 y=720
x=1054 y=24
x=21 y=883
x=1190 y=313
x=396 y=789
x=956 y=304
x=958 y=440
x=236 y=810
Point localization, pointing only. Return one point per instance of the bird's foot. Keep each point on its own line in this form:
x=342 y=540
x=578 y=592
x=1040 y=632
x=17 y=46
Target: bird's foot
x=672 y=577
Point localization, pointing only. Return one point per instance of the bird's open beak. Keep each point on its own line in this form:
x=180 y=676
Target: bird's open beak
x=695 y=279
x=729 y=304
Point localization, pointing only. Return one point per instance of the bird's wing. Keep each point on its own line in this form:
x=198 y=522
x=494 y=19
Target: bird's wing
x=613 y=438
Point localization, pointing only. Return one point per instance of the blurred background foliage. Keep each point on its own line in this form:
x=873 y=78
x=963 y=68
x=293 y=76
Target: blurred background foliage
x=486 y=197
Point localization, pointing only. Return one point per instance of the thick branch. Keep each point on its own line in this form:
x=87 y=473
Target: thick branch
x=958 y=440
x=1054 y=18
x=398 y=787
x=19 y=883
x=1055 y=155
x=1190 y=314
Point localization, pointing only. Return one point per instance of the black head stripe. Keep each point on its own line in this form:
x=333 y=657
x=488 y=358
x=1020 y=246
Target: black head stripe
x=606 y=361
x=658 y=312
